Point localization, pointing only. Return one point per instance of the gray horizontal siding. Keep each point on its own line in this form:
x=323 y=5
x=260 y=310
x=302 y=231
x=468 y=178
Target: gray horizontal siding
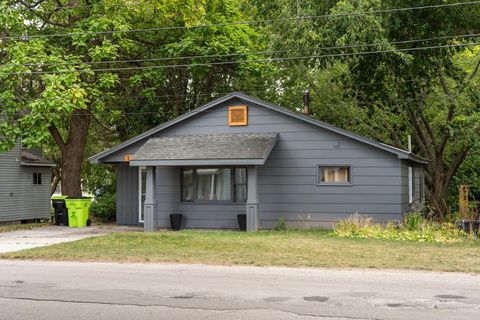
x=20 y=199
x=288 y=180
x=127 y=195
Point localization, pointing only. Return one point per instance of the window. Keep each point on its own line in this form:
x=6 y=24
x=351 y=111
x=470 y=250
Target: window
x=37 y=178
x=142 y=192
x=187 y=185
x=237 y=116
x=214 y=184
x=240 y=185
x=334 y=175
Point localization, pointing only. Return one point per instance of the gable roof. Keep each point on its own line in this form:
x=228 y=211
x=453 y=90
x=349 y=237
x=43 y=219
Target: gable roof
x=402 y=154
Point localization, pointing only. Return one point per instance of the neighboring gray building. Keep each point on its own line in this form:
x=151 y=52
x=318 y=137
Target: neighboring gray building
x=24 y=185
x=239 y=154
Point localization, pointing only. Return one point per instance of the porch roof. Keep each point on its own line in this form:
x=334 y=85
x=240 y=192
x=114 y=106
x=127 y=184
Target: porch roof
x=206 y=149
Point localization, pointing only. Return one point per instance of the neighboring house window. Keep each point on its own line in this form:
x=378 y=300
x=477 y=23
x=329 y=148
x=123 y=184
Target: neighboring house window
x=334 y=175
x=410 y=184
x=214 y=184
x=37 y=178
x=142 y=192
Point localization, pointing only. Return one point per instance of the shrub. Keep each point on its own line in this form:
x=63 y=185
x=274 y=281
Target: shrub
x=413 y=221
x=280 y=225
x=415 y=228
x=104 y=207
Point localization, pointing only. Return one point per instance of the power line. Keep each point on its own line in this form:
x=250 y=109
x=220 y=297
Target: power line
x=265 y=89
x=386 y=43
x=270 y=60
x=358 y=102
x=251 y=22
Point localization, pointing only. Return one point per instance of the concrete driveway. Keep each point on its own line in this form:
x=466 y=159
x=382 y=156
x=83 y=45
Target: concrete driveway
x=45 y=236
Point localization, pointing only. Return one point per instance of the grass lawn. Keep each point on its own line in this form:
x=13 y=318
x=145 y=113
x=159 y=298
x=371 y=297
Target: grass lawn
x=265 y=248
x=15 y=227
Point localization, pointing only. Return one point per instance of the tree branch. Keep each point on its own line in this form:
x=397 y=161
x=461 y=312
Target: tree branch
x=470 y=77
x=420 y=136
x=57 y=137
x=455 y=164
x=451 y=111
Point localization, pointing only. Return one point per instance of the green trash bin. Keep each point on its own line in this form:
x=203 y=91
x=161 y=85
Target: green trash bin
x=78 y=211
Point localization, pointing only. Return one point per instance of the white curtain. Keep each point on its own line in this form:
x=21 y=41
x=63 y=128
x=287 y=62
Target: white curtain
x=214 y=184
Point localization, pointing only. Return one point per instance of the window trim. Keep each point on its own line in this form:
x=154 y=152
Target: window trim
x=195 y=185
x=335 y=184
x=140 y=170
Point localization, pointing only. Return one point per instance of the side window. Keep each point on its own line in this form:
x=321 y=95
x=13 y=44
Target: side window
x=334 y=175
x=240 y=184
x=37 y=178
x=187 y=184
x=410 y=184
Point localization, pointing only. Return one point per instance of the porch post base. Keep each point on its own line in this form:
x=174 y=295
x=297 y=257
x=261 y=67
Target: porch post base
x=150 y=221
x=252 y=217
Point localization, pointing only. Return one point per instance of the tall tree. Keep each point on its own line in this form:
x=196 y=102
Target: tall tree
x=62 y=68
x=366 y=58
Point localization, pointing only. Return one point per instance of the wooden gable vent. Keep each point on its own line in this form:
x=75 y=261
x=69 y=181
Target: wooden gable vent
x=237 y=116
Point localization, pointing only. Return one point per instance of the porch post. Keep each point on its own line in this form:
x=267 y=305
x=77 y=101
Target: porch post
x=252 y=199
x=150 y=213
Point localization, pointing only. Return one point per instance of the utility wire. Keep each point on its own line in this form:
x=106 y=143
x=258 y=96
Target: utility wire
x=251 y=22
x=265 y=89
x=270 y=60
x=461 y=36
x=358 y=102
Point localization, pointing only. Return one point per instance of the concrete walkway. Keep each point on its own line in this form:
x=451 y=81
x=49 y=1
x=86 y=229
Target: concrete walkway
x=45 y=236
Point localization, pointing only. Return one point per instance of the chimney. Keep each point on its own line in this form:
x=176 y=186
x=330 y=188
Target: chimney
x=306 y=102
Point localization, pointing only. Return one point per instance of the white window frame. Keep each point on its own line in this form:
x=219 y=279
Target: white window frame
x=140 y=204
x=410 y=184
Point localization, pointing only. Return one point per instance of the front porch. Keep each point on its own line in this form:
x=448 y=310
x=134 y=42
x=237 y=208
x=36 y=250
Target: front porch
x=155 y=215
x=202 y=178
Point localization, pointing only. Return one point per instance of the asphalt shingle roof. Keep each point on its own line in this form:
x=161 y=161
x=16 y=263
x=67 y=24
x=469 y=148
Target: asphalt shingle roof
x=226 y=146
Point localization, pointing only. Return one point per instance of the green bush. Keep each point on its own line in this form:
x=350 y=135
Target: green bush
x=415 y=228
x=104 y=207
x=281 y=226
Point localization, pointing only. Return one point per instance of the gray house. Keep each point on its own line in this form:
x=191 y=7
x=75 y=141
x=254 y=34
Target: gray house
x=24 y=185
x=239 y=154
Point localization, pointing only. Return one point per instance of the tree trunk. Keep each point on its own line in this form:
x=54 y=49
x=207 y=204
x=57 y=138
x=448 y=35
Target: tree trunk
x=56 y=178
x=73 y=151
x=438 y=196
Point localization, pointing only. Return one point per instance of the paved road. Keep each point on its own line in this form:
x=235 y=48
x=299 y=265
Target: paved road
x=65 y=290
x=45 y=236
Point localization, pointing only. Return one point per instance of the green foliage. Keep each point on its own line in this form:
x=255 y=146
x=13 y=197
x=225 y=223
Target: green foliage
x=413 y=221
x=280 y=226
x=104 y=207
x=415 y=228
